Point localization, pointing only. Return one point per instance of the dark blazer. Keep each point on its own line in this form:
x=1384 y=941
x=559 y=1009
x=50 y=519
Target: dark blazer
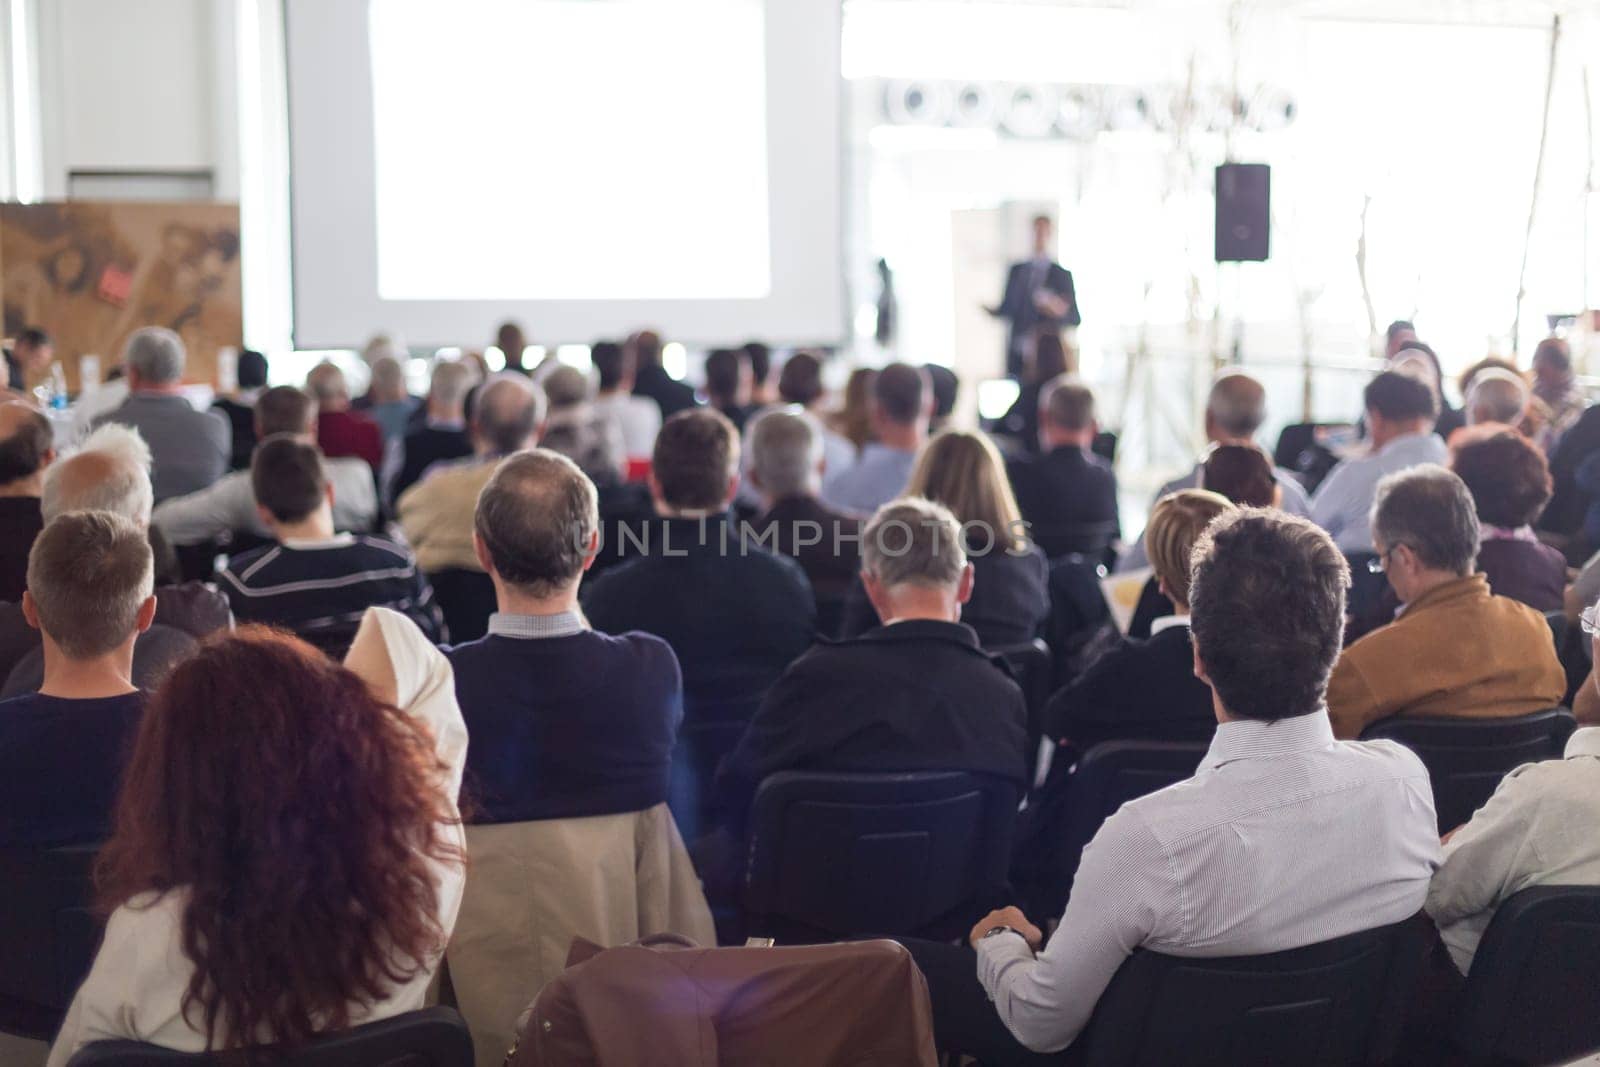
x=20 y=523
x=424 y=447
x=242 y=419
x=1010 y=600
x=1138 y=691
x=1018 y=309
x=1565 y=512
x=670 y=395
x=735 y=614
x=834 y=561
x=1533 y=573
x=916 y=696
x=1068 y=497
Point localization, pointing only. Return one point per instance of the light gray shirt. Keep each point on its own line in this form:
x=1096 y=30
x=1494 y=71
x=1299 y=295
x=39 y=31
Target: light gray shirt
x=189 y=449
x=1344 y=500
x=1537 y=829
x=1283 y=838
x=878 y=475
x=229 y=505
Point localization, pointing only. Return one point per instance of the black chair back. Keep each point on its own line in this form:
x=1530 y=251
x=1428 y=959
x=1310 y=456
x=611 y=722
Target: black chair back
x=1466 y=758
x=1535 y=980
x=1078 y=609
x=1572 y=649
x=432 y=1037
x=838 y=855
x=1034 y=669
x=1337 y=1003
x=466 y=598
x=48 y=935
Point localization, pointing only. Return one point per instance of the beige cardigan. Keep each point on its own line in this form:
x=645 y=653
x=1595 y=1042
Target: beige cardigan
x=436 y=516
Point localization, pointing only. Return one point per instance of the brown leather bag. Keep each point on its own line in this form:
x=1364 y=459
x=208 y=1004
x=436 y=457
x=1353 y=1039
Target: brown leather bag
x=664 y=1002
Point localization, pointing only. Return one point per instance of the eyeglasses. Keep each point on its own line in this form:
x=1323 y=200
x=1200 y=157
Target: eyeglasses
x=1590 y=620
x=1377 y=564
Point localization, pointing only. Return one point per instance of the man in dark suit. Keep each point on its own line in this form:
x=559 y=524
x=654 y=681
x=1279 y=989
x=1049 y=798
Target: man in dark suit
x=1067 y=494
x=240 y=408
x=1039 y=293
x=443 y=436
x=651 y=378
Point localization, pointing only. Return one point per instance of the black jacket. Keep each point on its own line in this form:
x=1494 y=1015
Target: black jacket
x=916 y=696
x=424 y=447
x=242 y=420
x=1010 y=600
x=1018 y=309
x=1140 y=690
x=1068 y=497
x=834 y=560
x=670 y=395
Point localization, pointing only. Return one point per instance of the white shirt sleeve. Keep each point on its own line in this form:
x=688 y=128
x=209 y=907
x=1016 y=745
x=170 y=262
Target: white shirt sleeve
x=1492 y=856
x=1123 y=891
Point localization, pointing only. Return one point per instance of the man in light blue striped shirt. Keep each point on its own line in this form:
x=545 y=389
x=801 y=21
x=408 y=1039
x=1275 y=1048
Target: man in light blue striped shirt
x=1284 y=837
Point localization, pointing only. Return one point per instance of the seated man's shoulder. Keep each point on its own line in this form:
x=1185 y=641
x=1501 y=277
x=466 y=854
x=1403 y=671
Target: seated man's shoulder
x=240 y=564
x=1387 y=758
x=382 y=550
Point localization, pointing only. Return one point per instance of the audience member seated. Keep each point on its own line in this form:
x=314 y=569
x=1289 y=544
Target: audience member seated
x=27 y=447
x=762 y=387
x=1010 y=600
x=786 y=465
x=800 y=382
x=946 y=388
x=1044 y=364
x=902 y=401
x=1243 y=474
x=651 y=379
x=1455 y=650
x=1284 y=838
x=90 y=578
x=728 y=384
x=443 y=434
x=189 y=449
x=1510 y=485
x=1067 y=494
x=315 y=582
x=387 y=402
x=436 y=513
x=916 y=693
x=735 y=613
x=1555 y=383
x=853 y=421
x=1147 y=689
x=637 y=417
x=564 y=721
x=579 y=432
x=1401 y=411
x=1496 y=400
x=228 y=508
x=30 y=353
x=1423 y=363
x=288 y=857
x=239 y=409
x=342 y=432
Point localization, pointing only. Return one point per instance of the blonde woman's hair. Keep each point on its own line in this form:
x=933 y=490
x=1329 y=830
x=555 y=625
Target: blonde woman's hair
x=1176 y=523
x=963 y=471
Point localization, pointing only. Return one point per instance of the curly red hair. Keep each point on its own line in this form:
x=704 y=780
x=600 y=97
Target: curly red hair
x=299 y=813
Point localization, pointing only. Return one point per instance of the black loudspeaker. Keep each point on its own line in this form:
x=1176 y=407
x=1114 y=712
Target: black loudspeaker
x=1244 y=211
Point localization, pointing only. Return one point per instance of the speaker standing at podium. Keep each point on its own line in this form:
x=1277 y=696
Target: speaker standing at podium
x=1038 y=293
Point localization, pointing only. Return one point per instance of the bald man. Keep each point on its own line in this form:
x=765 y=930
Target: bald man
x=341 y=431
x=27 y=447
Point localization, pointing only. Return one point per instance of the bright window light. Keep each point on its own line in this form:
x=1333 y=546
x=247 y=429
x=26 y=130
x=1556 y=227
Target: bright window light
x=495 y=358
x=575 y=356
x=675 y=359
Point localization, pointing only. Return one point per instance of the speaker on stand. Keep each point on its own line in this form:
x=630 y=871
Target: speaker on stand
x=1244 y=229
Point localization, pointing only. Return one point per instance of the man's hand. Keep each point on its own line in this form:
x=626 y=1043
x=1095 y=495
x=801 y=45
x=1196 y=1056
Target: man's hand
x=1013 y=918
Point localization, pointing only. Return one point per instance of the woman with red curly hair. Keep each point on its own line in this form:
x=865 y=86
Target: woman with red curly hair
x=288 y=857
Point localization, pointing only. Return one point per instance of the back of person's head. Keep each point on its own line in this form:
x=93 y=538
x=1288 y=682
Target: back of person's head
x=1496 y=395
x=1399 y=329
x=510 y=340
x=1470 y=375
x=89 y=574
x=646 y=345
x=327 y=384
x=268 y=781
x=1400 y=397
x=27 y=441
x=536 y=518
x=1423 y=358
x=155 y=355
x=1049 y=354
x=1242 y=474
x=1175 y=526
x=1266 y=601
x=110 y=472
x=1429 y=510
x=287 y=476
x=252 y=369
x=785 y=451
x=725 y=370
x=946 y=389
x=382 y=344
x=695 y=460
x=913 y=541
x=760 y=358
x=963 y=471
x=612 y=362
x=285 y=409
x=1508 y=478
x=388 y=379
x=800 y=381
x=565 y=387
x=451 y=382
x=900 y=394
x=1553 y=353
x=1236 y=406
x=507 y=414
x=855 y=420
x=1066 y=403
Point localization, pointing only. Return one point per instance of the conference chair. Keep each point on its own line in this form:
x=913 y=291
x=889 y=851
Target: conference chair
x=1033 y=668
x=1535 y=980
x=1078 y=610
x=1340 y=1003
x=1466 y=758
x=466 y=598
x=1573 y=650
x=48 y=935
x=842 y=855
x=432 y=1037
x=1298 y=450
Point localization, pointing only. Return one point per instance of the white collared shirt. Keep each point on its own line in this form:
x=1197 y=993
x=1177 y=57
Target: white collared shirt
x=1537 y=829
x=1283 y=838
x=1167 y=622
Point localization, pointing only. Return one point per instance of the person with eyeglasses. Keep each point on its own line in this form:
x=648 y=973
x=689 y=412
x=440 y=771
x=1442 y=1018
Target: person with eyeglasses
x=1454 y=648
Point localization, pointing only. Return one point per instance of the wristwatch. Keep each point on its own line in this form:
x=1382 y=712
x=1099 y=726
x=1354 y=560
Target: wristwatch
x=996 y=930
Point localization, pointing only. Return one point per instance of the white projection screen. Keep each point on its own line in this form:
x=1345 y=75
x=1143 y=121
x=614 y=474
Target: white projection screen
x=585 y=166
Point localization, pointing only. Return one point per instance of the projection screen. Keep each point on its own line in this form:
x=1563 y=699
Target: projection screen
x=584 y=166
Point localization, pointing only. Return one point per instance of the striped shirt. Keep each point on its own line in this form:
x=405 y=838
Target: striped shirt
x=320 y=589
x=1283 y=838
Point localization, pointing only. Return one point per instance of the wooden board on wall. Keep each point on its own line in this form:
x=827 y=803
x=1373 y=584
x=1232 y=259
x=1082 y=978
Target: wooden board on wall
x=91 y=272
